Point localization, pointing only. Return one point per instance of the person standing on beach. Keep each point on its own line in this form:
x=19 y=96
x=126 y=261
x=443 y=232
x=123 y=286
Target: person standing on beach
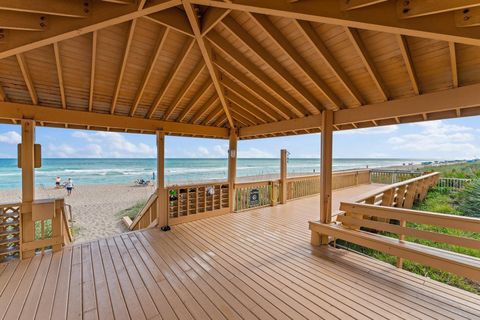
x=57 y=182
x=153 y=176
x=69 y=186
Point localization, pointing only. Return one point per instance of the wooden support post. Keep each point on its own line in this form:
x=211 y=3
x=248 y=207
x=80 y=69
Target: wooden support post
x=162 y=212
x=232 y=168
x=28 y=183
x=326 y=167
x=283 y=176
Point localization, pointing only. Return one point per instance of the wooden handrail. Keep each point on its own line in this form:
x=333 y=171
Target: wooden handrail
x=151 y=201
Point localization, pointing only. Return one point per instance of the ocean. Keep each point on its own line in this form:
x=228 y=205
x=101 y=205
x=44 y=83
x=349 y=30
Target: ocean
x=114 y=171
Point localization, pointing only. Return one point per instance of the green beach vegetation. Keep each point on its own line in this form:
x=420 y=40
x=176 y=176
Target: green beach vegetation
x=132 y=211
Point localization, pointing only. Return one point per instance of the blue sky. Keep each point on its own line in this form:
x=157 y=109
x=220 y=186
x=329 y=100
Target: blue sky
x=445 y=139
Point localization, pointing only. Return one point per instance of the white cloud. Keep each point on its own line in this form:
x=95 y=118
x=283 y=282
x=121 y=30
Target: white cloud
x=451 y=141
x=254 y=153
x=217 y=151
x=373 y=130
x=10 y=137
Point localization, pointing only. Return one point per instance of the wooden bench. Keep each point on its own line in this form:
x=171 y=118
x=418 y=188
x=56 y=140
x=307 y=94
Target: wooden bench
x=371 y=217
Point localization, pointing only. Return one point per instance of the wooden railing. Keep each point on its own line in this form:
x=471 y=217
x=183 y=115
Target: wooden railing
x=147 y=217
x=392 y=176
x=10 y=230
x=188 y=203
x=455 y=184
x=249 y=195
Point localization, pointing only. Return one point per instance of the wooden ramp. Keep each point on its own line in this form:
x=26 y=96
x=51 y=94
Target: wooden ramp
x=249 y=265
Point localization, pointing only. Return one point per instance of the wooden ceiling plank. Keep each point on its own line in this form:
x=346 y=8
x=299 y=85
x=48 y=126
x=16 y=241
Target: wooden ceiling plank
x=212 y=102
x=233 y=53
x=27 y=78
x=259 y=105
x=270 y=60
x=173 y=18
x=419 y=8
x=194 y=100
x=357 y=42
x=207 y=56
x=213 y=115
x=186 y=86
x=221 y=121
x=254 y=89
x=123 y=65
x=453 y=63
x=92 y=69
x=240 y=115
x=182 y=55
x=301 y=63
x=357 y=4
x=73 y=9
x=317 y=43
x=248 y=110
x=21 y=21
x=58 y=64
x=17 y=111
x=106 y=15
x=407 y=58
x=211 y=17
x=162 y=36
x=381 y=18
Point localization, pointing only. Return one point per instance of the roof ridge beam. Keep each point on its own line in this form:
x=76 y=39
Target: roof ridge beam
x=301 y=63
x=207 y=56
x=317 y=43
x=27 y=77
x=251 y=43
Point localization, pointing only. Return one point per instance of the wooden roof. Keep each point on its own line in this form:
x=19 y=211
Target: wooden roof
x=199 y=67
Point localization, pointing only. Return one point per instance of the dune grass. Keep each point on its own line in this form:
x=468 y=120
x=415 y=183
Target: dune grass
x=132 y=211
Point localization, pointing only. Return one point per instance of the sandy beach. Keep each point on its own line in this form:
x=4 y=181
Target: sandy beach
x=95 y=207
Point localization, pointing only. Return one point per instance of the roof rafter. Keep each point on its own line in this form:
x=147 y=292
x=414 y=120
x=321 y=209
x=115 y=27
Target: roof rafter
x=211 y=102
x=407 y=58
x=241 y=113
x=173 y=18
x=453 y=63
x=233 y=53
x=357 y=42
x=247 y=107
x=27 y=78
x=207 y=56
x=194 y=100
x=123 y=65
x=381 y=17
x=162 y=37
x=185 y=87
x=105 y=15
x=317 y=43
x=211 y=17
x=92 y=69
x=182 y=55
x=213 y=115
x=356 y=4
x=58 y=64
x=73 y=9
x=254 y=89
x=301 y=63
x=416 y=8
x=270 y=60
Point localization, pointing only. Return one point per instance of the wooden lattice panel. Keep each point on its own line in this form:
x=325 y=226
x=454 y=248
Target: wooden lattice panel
x=9 y=231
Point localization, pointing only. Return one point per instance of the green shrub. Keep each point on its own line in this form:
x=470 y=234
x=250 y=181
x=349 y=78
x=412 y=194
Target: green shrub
x=469 y=200
x=132 y=211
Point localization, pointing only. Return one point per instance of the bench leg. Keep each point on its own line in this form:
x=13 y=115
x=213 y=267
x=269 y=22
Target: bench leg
x=318 y=239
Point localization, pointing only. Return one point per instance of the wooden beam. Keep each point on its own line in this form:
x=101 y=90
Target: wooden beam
x=105 y=16
x=172 y=18
x=453 y=63
x=194 y=75
x=270 y=60
x=162 y=208
x=254 y=89
x=240 y=59
x=54 y=115
x=248 y=111
x=123 y=65
x=468 y=18
x=419 y=8
x=301 y=63
x=357 y=4
x=58 y=63
x=92 y=69
x=322 y=50
x=381 y=17
x=358 y=44
x=28 y=79
x=211 y=18
x=3 y=95
x=211 y=103
x=172 y=74
x=162 y=36
x=73 y=9
x=239 y=114
x=22 y=21
x=326 y=160
x=207 y=56
x=310 y=122
x=213 y=115
x=407 y=58
x=194 y=100
x=232 y=168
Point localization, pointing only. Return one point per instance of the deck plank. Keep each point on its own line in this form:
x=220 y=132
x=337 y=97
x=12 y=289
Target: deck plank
x=256 y=264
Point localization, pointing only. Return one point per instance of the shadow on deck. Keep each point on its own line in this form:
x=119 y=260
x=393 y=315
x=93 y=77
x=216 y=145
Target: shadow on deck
x=248 y=265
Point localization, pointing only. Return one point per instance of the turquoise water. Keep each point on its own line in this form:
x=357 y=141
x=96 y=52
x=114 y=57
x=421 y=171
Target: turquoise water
x=107 y=171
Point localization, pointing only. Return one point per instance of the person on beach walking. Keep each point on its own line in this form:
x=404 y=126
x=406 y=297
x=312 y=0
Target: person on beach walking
x=69 y=186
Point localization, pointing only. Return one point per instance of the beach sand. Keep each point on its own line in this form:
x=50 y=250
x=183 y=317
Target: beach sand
x=95 y=208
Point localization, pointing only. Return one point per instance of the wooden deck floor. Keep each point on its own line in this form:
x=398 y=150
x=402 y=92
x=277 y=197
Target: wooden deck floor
x=249 y=265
